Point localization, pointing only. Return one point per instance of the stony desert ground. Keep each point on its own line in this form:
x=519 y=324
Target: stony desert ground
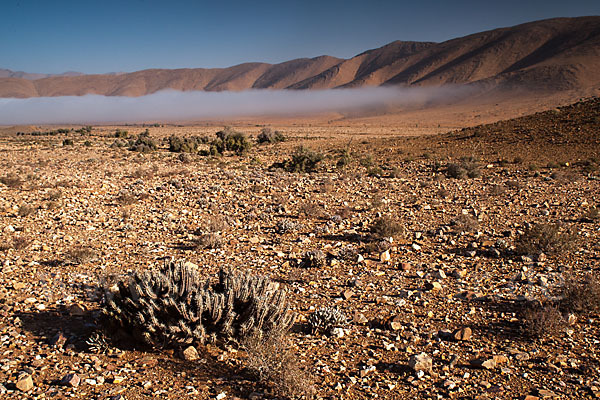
x=418 y=238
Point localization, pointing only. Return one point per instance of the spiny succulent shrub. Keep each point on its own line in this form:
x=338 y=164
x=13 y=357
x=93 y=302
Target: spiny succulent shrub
x=121 y=134
x=303 y=160
x=170 y=305
x=325 y=319
x=314 y=259
x=68 y=142
x=286 y=226
x=544 y=238
x=268 y=135
x=97 y=343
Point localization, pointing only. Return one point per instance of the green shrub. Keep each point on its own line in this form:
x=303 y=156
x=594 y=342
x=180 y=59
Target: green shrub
x=144 y=143
x=268 y=135
x=121 y=134
x=303 y=160
x=68 y=142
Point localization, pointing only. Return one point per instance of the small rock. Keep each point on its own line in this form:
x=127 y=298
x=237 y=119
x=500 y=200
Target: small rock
x=359 y=318
x=347 y=294
x=462 y=334
x=190 y=354
x=71 y=380
x=433 y=286
x=337 y=332
x=385 y=256
x=405 y=266
x=24 y=382
x=421 y=362
x=58 y=340
x=416 y=247
x=395 y=323
x=484 y=362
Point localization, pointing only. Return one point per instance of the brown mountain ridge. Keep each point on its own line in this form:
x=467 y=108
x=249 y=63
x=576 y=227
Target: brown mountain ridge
x=550 y=55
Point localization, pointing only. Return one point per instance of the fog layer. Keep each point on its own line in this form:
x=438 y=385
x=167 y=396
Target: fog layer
x=189 y=106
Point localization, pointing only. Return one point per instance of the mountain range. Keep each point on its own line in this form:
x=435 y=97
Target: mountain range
x=549 y=55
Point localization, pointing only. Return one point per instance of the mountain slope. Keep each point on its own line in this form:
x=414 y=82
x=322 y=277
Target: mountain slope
x=554 y=54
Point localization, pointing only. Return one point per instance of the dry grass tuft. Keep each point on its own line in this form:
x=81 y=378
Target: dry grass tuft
x=582 y=295
x=272 y=361
x=544 y=238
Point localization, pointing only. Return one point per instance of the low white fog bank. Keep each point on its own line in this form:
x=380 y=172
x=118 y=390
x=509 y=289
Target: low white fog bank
x=188 y=106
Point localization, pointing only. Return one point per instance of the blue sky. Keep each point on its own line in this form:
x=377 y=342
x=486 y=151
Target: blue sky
x=105 y=36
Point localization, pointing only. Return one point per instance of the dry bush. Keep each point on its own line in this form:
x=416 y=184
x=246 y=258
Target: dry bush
x=12 y=180
x=443 y=193
x=592 y=215
x=215 y=223
x=466 y=169
x=272 y=361
x=497 y=190
x=544 y=238
x=310 y=209
x=542 y=320
x=209 y=240
x=465 y=223
x=26 y=210
x=303 y=160
x=513 y=184
x=268 y=135
x=581 y=296
x=126 y=198
x=53 y=195
x=385 y=227
x=16 y=243
x=80 y=255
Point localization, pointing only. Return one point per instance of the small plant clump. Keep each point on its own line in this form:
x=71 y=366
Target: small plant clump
x=272 y=361
x=326 y=319
x=68 y=142
x=229 y=140
x=186 y=144
x=314 y=259
x=542 y=320
x=467 y=168
x=268 y=135
x=303 y=160
x=543 y=238
x=121 y=134
x=465 y=223
x=171 y=305
x=143 y=143
x=385 y=227
x=581 y=296
x=12 y=180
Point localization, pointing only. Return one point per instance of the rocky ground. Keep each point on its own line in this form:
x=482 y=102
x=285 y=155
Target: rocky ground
x=434 y=313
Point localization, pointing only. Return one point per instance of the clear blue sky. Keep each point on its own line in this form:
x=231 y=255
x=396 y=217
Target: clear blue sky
x=97 y=36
